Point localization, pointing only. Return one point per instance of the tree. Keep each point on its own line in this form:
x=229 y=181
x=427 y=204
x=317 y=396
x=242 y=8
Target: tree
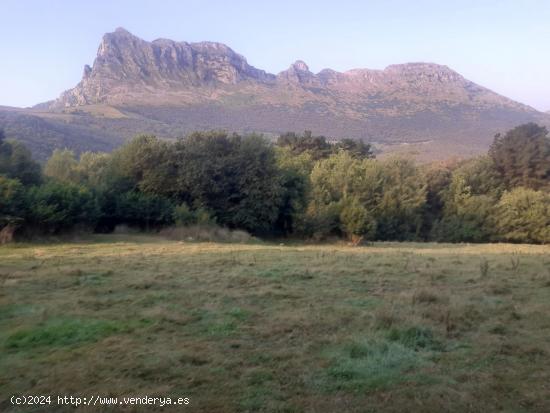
x=57 y=207
x=16 y=163
x=319 y=148
x=355 y=147
x=341 y=197
x=146 y=211
x=234 y=177
x=467 y=216
x=523 y=215
x=522 y=157
x=438 y=178
x=294 y=171
x=356 y=220
x=144 y=163
x=401 y=201
x=472 y=220
x=62 y=166
x=12 y=201
x=316 y=146
x=93 y=169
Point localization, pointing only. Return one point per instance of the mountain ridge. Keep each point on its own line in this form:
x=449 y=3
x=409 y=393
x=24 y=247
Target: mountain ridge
x=125 y=62
x=171 y=88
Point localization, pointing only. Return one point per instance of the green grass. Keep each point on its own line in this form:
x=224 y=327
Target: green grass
x=389 y=327
x=60 y=333
x=371 y=364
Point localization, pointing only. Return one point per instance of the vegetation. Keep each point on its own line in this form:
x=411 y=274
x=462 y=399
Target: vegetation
x=196 y=307
x=303 y=186
x=391 y=327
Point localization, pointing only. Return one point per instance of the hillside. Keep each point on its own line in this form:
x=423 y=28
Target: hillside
x=171 y=88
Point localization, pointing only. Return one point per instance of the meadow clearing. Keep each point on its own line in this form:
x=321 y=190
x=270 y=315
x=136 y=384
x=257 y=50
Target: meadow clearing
x=388 y=327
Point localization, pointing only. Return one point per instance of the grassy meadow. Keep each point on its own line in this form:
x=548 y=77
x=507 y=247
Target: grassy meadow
x=388 y=327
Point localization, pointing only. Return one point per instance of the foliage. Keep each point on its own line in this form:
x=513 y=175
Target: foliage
x=12 y=201
x=234 y=177
x=523 y=215
x=355 y=147
x=93 y=168
x=522 y=157
x=401 y=200
x=466 y=217
x=62 y=166
x=184 y=216
x=318 y=147
x=146 y=211
x=303 y=186
x=56 y=207
x=16 y=162
x=144 y=164
x=356 y=220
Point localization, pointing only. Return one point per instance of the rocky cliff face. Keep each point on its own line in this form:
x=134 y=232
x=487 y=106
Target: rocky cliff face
x=171 y=88
x=126 y=64
x=128 y=69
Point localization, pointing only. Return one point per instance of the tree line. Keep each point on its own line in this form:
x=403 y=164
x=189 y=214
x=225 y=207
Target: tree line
x=301 y=186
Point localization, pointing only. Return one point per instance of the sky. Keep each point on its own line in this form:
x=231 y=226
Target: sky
x=503 y=45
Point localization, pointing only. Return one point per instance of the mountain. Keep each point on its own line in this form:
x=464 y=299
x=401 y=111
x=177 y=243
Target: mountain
x=171 y=88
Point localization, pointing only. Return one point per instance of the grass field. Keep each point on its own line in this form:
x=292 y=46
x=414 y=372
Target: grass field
x=388 y=327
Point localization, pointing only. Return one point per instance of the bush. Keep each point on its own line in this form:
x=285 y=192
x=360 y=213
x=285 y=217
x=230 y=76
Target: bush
x=143 y=210
x=183 y=216
x=12 y=201
x=56 y=207
x=206 y=233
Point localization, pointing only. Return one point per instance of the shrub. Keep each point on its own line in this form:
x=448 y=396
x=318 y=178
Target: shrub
x=206 y=233
x=56 y=207
x=183 y=215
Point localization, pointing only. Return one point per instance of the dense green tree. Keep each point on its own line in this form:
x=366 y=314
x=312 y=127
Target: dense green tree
x=294 y=171
x=355 y=147
x=12 y=201
x=57 y=207
x=522 y=157
x=467 y=214
x=316 y=146
x=146 y=211
x=480 y=176
x=523 y=215
x=145 y=164
x=471 y=221
x=62 y=166
x=401 y=201
x=93 y=169
x=438 y=178
x=392 y=194
x=357 y=222
x=234 y=177
x=16 y=162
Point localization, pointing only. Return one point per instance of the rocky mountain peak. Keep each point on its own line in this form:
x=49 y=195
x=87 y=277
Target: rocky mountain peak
x=424 y=70
x=299 y=73
x=125 y=63
x=300 y=66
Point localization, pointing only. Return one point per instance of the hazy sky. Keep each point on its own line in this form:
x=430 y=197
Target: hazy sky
x=503 y=45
